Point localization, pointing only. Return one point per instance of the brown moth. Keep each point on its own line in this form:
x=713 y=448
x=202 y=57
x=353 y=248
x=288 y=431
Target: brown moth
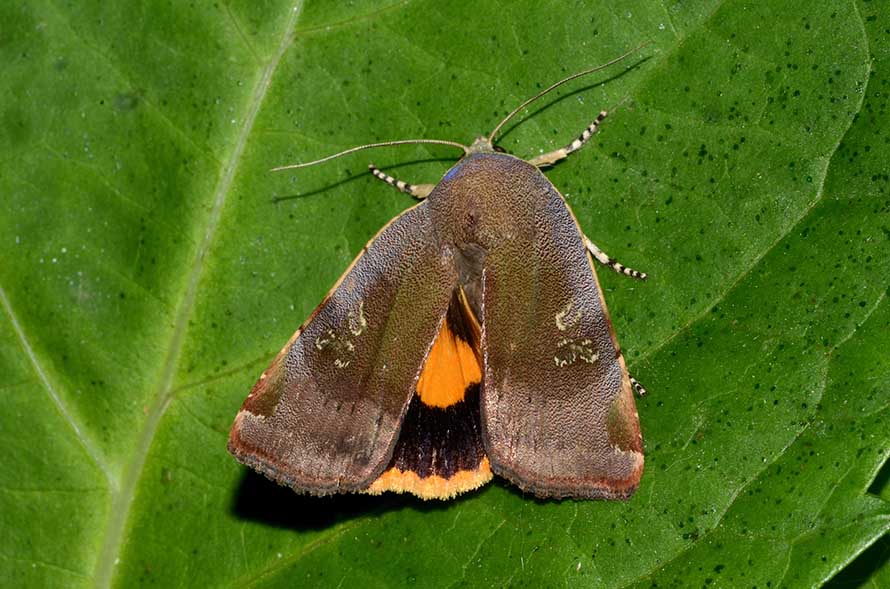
x=469 y=338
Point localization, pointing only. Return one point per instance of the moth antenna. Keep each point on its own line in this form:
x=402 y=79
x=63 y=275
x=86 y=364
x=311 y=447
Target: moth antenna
x=369 y=146
x=560 y=83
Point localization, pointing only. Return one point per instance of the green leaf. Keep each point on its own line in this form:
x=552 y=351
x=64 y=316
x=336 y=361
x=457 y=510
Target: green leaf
x=151 y=266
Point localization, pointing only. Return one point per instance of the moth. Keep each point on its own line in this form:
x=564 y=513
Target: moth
x=469 y=338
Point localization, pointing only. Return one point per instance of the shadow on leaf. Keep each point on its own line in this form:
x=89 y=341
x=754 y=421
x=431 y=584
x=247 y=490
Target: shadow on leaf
x=262 y=500
x=352 y=177
x=547 y=105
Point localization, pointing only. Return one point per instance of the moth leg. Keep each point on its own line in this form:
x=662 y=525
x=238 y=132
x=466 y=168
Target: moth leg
x=548 y=159
x=640 y=389
x=418 y=191
x=604 y=259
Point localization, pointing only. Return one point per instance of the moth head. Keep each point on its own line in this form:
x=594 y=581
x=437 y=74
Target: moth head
x=482 y=144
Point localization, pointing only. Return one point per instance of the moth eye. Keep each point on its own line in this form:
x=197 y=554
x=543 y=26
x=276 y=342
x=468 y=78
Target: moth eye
x=499 y=149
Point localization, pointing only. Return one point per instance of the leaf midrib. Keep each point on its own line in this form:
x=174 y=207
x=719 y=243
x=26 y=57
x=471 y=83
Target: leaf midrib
x=122 y=499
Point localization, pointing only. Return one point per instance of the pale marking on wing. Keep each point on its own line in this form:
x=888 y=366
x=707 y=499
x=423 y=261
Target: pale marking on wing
x=343 y=343
x=254 y=415
x=564 y=320
x=357 y=321
x=570 y=349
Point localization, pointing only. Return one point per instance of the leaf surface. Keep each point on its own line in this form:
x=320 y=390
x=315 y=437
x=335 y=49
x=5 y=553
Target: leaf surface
x=151 y=266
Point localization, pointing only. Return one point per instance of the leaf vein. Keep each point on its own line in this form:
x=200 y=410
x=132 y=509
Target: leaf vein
x=820 y=194
x=73 y=422
x=122 y=501
x=280 y=563
x=725 y=510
